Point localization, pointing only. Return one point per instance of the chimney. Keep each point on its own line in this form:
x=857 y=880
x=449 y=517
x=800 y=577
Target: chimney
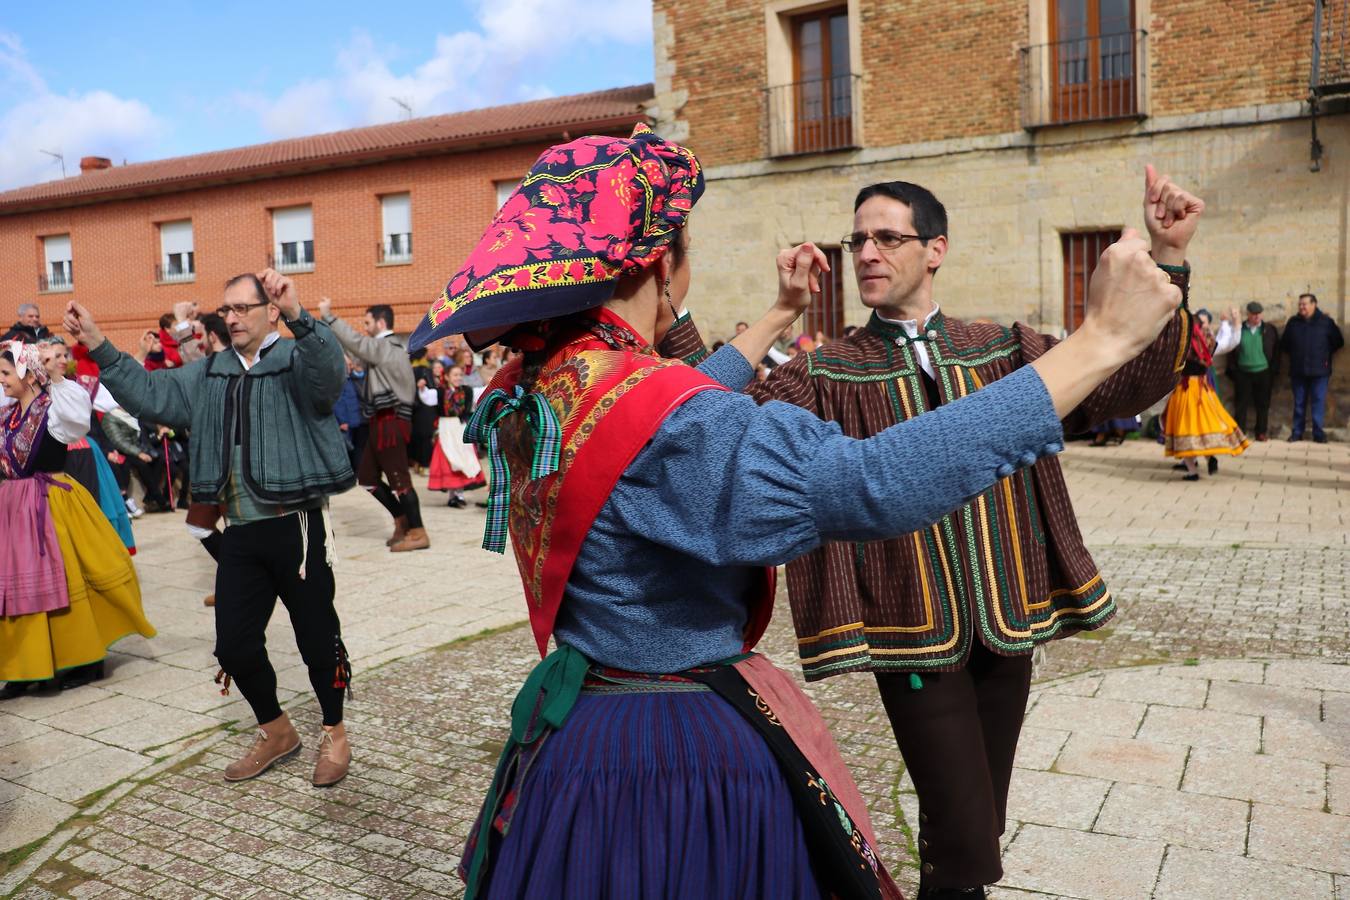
x=93 y=163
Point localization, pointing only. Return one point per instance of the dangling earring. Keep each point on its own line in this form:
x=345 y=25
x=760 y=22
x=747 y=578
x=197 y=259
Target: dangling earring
x=670 y=301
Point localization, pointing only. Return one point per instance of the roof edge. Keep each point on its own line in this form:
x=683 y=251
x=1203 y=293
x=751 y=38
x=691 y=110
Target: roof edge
x=334 y=161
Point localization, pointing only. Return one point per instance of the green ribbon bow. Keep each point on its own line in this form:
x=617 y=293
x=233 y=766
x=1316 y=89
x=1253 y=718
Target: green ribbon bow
x=482 y=429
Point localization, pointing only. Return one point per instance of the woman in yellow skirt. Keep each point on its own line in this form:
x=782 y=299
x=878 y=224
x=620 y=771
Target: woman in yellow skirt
x=68 y=589
x=1196 y=423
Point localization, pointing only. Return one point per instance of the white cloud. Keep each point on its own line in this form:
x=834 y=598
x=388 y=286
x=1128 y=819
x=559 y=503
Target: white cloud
x=95 y=123
x=507 y=57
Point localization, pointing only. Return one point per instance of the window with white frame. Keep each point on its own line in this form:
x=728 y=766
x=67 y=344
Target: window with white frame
x=177 y=258
x=58 y=274
x=504 y=191
x=293 y=238
x=396 y=213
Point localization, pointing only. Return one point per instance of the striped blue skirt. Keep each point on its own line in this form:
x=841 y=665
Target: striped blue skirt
x=664 y=794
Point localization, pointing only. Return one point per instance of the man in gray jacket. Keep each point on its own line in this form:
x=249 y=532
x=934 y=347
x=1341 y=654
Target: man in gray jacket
x=266 y=445
x=387 y=401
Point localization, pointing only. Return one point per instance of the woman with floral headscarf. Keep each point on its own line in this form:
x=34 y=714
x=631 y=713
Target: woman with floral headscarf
x=67 y=586
x=653 y=753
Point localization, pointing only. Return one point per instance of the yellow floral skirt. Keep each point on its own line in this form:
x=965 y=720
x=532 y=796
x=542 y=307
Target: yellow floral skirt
x=105 y=597
x=1198 y=425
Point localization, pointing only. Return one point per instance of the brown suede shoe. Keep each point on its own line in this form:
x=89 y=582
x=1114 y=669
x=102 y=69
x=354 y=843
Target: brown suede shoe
x=277 y=741
x=332 y=766
x=209 y=600
x=416 y=539
x=400 y=530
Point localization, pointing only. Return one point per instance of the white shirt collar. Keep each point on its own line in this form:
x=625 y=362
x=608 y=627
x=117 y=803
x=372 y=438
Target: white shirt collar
x=267 y=342
x=911 y=326
x=384 y=334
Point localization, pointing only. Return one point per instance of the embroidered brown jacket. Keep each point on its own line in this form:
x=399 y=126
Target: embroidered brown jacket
x=1009 y=567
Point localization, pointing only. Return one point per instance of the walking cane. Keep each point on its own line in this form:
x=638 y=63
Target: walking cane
x=168 y=472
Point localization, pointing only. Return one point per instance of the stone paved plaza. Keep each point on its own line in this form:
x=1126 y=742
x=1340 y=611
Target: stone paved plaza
x=1196 y=747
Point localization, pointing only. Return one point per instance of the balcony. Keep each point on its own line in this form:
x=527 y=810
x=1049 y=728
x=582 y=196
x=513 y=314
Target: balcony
x=55 y=284
x=1091 y=79
x=1330 y=62
x=174 y=275
x=292 y=257
x=814 y=116
x=396 y=250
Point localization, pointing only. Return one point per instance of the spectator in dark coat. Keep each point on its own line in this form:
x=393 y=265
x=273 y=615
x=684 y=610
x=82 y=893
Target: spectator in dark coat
x=29 y=329
x=1310 y=338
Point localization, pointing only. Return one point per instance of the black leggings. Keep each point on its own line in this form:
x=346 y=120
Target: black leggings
x=259 y=562
x=958 y=736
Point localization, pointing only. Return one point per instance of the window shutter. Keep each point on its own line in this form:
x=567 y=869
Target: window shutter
x=397 y=210
x=293 y=224
x=176 y=237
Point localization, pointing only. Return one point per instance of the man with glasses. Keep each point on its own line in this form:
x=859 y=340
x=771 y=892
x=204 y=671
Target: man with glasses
x=947 y=618
x=266 y=445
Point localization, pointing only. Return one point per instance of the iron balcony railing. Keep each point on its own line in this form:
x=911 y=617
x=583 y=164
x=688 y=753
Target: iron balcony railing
x=397 y=248
x=1086 y=79
x=173 y=274
x=293 y=257
x=1330 y=62
x=49 y=283
x=813 y=116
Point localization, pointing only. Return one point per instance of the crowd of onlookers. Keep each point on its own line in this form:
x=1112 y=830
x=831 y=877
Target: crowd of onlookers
x=156 y=455
x=786 y=348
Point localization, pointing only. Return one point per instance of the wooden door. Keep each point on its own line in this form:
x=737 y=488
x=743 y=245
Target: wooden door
x=823 y=86
x=1092 y=59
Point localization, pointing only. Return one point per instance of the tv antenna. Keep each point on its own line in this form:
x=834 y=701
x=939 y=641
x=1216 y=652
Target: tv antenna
x=57 y=155
x=405 y=105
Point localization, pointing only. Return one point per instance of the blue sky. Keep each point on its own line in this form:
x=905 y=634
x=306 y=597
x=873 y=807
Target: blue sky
x=142 y=80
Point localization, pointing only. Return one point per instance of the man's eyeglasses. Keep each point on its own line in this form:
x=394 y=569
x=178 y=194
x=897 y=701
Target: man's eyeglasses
x=885 y=240
x=239 y=309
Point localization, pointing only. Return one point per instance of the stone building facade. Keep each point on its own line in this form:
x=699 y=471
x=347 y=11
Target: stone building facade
x=389 y=213
x=1032 y=121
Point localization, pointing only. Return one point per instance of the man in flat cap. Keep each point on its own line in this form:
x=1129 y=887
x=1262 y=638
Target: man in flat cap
x=1252 y=367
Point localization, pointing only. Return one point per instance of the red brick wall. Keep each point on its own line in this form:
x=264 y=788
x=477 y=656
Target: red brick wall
x=1210 y=55
x=953 y=70
x=116 y=245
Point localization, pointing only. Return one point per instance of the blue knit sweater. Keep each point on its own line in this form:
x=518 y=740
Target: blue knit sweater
x=726 y=486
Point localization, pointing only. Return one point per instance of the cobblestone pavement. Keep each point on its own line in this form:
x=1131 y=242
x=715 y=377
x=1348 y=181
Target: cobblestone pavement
x=1217 y=766
x=57 y=749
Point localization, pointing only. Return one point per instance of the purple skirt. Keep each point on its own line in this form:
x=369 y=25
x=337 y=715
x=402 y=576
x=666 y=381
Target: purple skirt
x=663 y=794
x=32 y=569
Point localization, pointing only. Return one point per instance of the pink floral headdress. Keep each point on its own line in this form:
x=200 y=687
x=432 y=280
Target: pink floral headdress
x=588 y=212
x=27 y=359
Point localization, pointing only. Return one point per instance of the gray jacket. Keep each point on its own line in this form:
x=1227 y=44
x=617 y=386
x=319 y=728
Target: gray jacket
x=283 y=407
x=389 y=382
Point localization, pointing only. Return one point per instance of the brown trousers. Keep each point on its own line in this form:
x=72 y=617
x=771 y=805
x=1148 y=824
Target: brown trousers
x=958 y=735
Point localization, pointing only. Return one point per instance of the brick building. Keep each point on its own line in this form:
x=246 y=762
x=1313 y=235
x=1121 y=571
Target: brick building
x=383 y=214
x=1032 y=121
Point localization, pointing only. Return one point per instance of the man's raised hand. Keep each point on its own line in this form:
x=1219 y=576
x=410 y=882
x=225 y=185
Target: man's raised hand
x=1171 y=216
x=79 y=324
x=281 y=293
x=799 y=270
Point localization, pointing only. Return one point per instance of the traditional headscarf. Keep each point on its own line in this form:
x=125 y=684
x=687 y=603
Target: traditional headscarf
x=27 y=359
x=588 y=212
